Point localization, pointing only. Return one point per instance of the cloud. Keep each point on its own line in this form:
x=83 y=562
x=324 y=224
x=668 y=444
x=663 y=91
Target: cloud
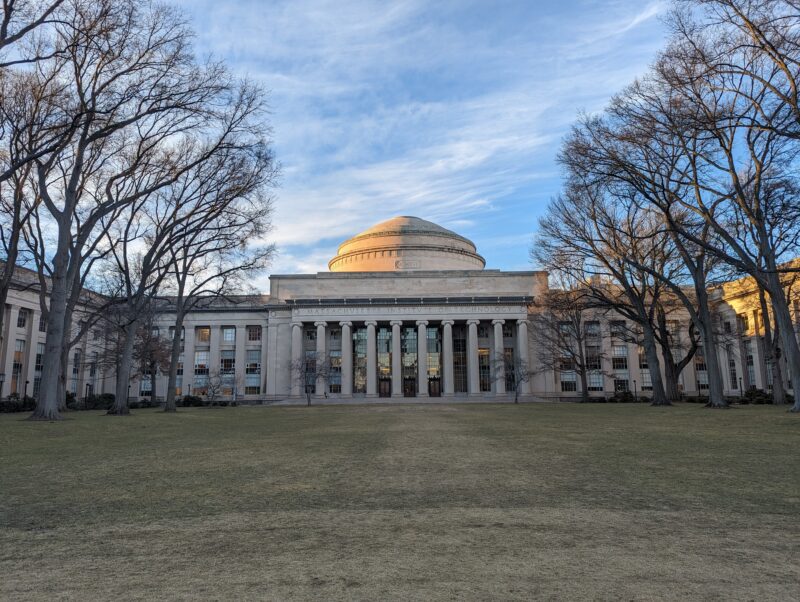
x=452 y=111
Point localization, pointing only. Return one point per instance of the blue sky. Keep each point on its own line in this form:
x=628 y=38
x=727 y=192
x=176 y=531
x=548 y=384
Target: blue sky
x=452 y=111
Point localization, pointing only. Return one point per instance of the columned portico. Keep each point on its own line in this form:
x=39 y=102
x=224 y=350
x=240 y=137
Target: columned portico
x=447 y=358
x=321 y=358
x=347 y=358
x=372 y=359
x=472 y=357
x=397 y=351
x=422 y=358
x=522 y=349
x=296 y=367
x=498 y=369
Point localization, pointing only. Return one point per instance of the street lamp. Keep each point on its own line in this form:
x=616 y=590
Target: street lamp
x=2 y=380
x=635 y=395
x=25 y=390
x=741 y=391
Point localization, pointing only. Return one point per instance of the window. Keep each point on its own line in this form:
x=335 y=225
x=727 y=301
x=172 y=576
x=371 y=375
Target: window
x=595 y=381
x=619 y=357
x=254 y=334
x=592 y=329
x=42 y=323
x=621 y=385
x=155 y=332
x=593 y=360
x=227 y=362
x=732 y=373
x=229 y=334
x=749 y=362
x=202 y=334
x=16 y=366
x=508 y=331
x=701 y=370
x=37 y=367
x=201 y=363
x=484 y=370
x=310 y=334
x=483 y=331
x=146 y=385
x=647 y=384
x=76 y=370
x=22 y=318
x=744 y=323
x=252 y=371
x=335 y=377
x=569 y=380
x=617 y=328
x=642 y=359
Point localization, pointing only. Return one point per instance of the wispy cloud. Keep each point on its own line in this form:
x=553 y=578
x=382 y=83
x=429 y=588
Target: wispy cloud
x=452 y=111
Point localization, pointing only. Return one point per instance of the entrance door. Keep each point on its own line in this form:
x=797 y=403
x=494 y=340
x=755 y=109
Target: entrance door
x=434 y=387
x=384 y=387
x=409 y=387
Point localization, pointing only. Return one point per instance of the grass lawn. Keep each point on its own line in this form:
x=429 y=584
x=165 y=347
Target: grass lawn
x=403 y=502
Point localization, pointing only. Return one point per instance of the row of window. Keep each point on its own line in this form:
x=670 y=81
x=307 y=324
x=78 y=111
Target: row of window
x=202 y=334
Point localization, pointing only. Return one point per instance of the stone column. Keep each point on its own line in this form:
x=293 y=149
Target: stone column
x=499 y=358
x=397 y=356
x=297 y=367
x=321 y=358
x=472 y=357
x=447 y=358
x=240 y=358
x=10 y=343
x=524 y=362
x=33 y=340
x=347 y=359
x=187 y=380
x=422 y=358
x=372 y=360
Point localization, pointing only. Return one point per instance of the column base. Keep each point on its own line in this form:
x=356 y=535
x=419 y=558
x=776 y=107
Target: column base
x=448 y=394
x=371 y=395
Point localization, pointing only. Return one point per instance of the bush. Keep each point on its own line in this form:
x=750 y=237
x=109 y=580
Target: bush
x=102 y=401
x=623 y=397
x=755 y=396
x=14 y=404
x=191 y=401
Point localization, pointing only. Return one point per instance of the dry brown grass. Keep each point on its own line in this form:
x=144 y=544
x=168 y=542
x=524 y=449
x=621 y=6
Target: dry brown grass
x=403 y=502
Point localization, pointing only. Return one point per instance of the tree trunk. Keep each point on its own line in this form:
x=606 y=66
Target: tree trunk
x=584 y=386
x=716 y=395
x=659 y=397
x=671 y=376
x=773 y=348
x=175 y=354
x=48 y=403
x=153 y=379
x=783 y=321
x=120 y=407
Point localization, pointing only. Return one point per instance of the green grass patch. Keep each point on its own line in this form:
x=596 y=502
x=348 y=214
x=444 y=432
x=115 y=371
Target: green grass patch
x=559 y=501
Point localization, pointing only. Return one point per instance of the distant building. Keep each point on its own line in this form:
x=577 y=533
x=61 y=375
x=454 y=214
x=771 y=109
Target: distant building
x=406 y=310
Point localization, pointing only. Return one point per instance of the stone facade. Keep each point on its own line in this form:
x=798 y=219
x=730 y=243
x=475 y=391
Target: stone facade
x=385 y=332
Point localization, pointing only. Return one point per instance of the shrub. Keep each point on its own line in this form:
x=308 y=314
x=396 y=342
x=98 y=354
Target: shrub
x=623 y=397
x=134 y=405
x=756 y=396
x=102 y=401
x=14 y=404
x=191 y=401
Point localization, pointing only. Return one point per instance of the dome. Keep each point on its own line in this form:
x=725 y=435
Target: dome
x=406 y=243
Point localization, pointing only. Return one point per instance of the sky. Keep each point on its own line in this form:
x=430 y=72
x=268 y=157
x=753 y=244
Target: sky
x=452 y=111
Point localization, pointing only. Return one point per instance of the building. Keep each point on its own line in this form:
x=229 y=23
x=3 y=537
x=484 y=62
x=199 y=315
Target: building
x=407 y=309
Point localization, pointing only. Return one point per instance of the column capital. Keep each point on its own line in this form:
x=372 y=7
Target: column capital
x=320 y=323
x=520 y=322
x=396 y=323
x=345 y=323
x=297 y=324
x=370 y=323
x=498 y=321
x=474 y=321
x=422 y=322
x=448 y=322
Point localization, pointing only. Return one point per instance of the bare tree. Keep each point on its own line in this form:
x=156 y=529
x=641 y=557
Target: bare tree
x=20 y=20
x=311 y=371
x=567 y=339
x=149 y=114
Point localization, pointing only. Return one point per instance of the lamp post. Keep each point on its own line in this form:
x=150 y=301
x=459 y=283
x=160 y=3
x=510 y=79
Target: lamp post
x=2 y=380
x=25 y=390
x=741 y=391
x=635 y=394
